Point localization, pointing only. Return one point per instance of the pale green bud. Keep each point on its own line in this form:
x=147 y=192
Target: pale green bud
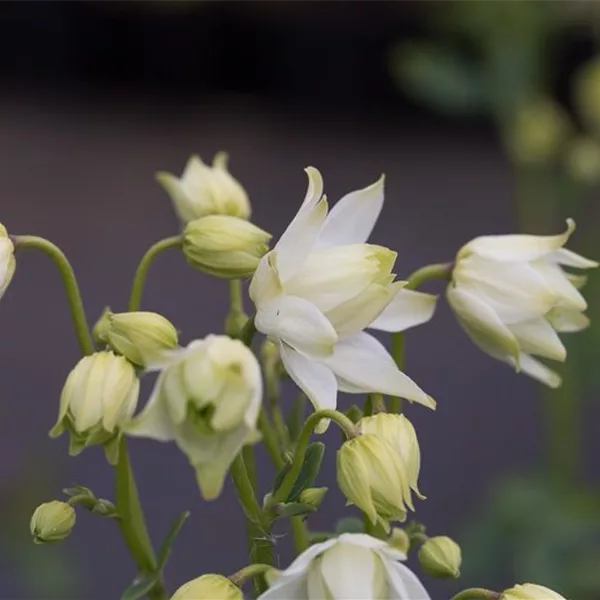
x=208 y=587
x=144 y=338
x=583 y=160
x=8 y=263
x=52 y=522
x=530 y=591
x=100 y=329
x=225 y=247
x=313 y=496
x=373 y=477
x=587 y=93
x=204 y=190
x=441 y=557
x=99 y=396
x=399 y=539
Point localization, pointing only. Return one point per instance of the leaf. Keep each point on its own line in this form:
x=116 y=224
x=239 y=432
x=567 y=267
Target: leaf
x=139 y=588
x=310 y=470
x=295 y=418
x=167 y=546
x=295 y=509
x=349 y=525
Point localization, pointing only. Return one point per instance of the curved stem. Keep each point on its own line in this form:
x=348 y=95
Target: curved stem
x=23 y=242
x=476 y=594
x=289 y=480
x=241 y=576
x=137 y=289
x=428 y=273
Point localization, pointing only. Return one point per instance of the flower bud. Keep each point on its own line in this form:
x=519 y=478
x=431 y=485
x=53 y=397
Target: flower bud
x=587 y=93
x=583 y=160
x=7 y=260
x=530 y=591
x=440 y=557
x=373 y=477
x=99 y=396
x=225 y=247
x=399 y=540
x=52 y=522
x=142 y=337
x=208 y=587
x=204 y=190
x=313 y=496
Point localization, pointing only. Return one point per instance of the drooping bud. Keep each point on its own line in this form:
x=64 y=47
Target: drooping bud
x=8 y=263
x=441 y=557
x=208 y=587
x=52 y=522
x=226 y=247
x=99 y=396
x=202 y=190
x=530 y=591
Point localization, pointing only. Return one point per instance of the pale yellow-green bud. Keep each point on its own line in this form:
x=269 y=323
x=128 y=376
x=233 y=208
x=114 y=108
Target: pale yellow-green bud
x=440 y=557
x=530 y=591
x=204 y=190
x=373 y=477
x=225 y=247
x=100 y=329
x=399 y=540
x=587 y=93
x=313 y=496
x=208 y=587
x=99 y=396
x=8 y=263
x=538 y=133
x=583 y=160
x=144 y=338
x=52 y=522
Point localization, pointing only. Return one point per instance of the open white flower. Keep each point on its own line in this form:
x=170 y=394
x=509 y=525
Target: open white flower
x=322 y=285
x=354 y=565
x=512 y=296
x=7 y=260
x=207 y=400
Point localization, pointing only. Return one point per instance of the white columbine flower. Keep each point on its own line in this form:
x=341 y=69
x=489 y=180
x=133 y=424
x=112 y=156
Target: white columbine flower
x=354 y=565
x=207 y=400
x=511 y=295
x=7 y=260
x=322 y=285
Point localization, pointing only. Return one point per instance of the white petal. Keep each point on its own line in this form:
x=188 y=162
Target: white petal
x=314 y=191
x=539 y=371
x=556 y=279
x=518 y=247
x=363 y=361
x=482 y=324
x=562 y=256
x=299 y=323
x=538 y=337
x=313 y=378
x=407 y=309
x=352 y=219
x=566 y=320
x=404 y=584
x=364 y=541
x=265 y=284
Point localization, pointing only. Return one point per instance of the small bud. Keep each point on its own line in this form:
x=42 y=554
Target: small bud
x=583 y=160
x=52 y=522
x=587 y=93
x=313 y=496
x=530 y=591
x=202 y=190
x=8 y=263
x=399 y=539
x=100 y=329
x=440 y=557
x=99 y=396
x=142 y=337
x=208 y=587
x=225 y=247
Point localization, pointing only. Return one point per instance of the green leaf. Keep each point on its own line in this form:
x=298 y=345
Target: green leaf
x=349 y=525
x=139 y=588
x=167 y=546
x=310 y=470
x=295 y=509
x=295 y=419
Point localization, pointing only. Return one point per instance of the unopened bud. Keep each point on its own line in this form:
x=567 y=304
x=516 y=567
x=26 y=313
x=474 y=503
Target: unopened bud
x=313 y=496
x=208 y=587
x=441 y=557
x=52 y=522
x=530 y=591
x=399 y=539
x=7 y=260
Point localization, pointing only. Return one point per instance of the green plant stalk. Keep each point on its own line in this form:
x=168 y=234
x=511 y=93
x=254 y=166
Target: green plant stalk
x=300 y=535
x=429 y=273
x=137 y=289
x=241 y=576
x=24 y=242
x=476 y=594
x=270 y=438
x=235 y=295
x=248 y=332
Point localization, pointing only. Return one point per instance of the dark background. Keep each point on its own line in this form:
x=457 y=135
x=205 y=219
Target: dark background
x=96 y=97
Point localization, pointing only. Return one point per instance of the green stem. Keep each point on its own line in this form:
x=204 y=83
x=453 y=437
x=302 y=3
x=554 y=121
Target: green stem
x=235 y=296
x=398 y=353
x=241 y=576
x=476 y=594
x=300 y=534
x=250 y=462
x=248 y=332
x=137 y=289
x=428 y=273
x=376 y=530
x=270 y=438
x=23 y=242
x=303 y=442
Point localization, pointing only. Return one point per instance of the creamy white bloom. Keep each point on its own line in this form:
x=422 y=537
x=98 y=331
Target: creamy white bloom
x=512 y=296
x=322 y=285
x=207 y=400
x=204 y=190
x=7 y=260
x=353 y=566
x=530 y=591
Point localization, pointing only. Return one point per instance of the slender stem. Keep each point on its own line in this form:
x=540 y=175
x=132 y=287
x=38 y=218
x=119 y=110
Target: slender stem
x=289 y=480
x=23 y=242
x=300 y=534
x=270 y=438
x=235 y=296
x=428 y=273
x=279 y=425
x=137 y=289
x=398 y=353
x=250 y=462
x=241 y=576
x=476 y=594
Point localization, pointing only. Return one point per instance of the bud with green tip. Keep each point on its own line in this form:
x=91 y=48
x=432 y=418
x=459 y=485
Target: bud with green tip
x=98 y=398
x=225 y=247
x=530 y=591
x=441 y=557
x=8 y=263
x=144 y=338
x=399 y=540
x=208 y=587
x=313 y=496
x=52 y=522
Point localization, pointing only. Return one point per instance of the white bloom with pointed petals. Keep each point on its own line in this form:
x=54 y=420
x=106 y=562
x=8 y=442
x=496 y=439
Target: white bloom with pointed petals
x=353 y=566
x=7 y=260
x=512 y=296
x=322 y=285
x=207 y=400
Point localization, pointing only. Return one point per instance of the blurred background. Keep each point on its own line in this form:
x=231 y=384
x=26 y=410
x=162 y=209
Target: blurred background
x=485 y=116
